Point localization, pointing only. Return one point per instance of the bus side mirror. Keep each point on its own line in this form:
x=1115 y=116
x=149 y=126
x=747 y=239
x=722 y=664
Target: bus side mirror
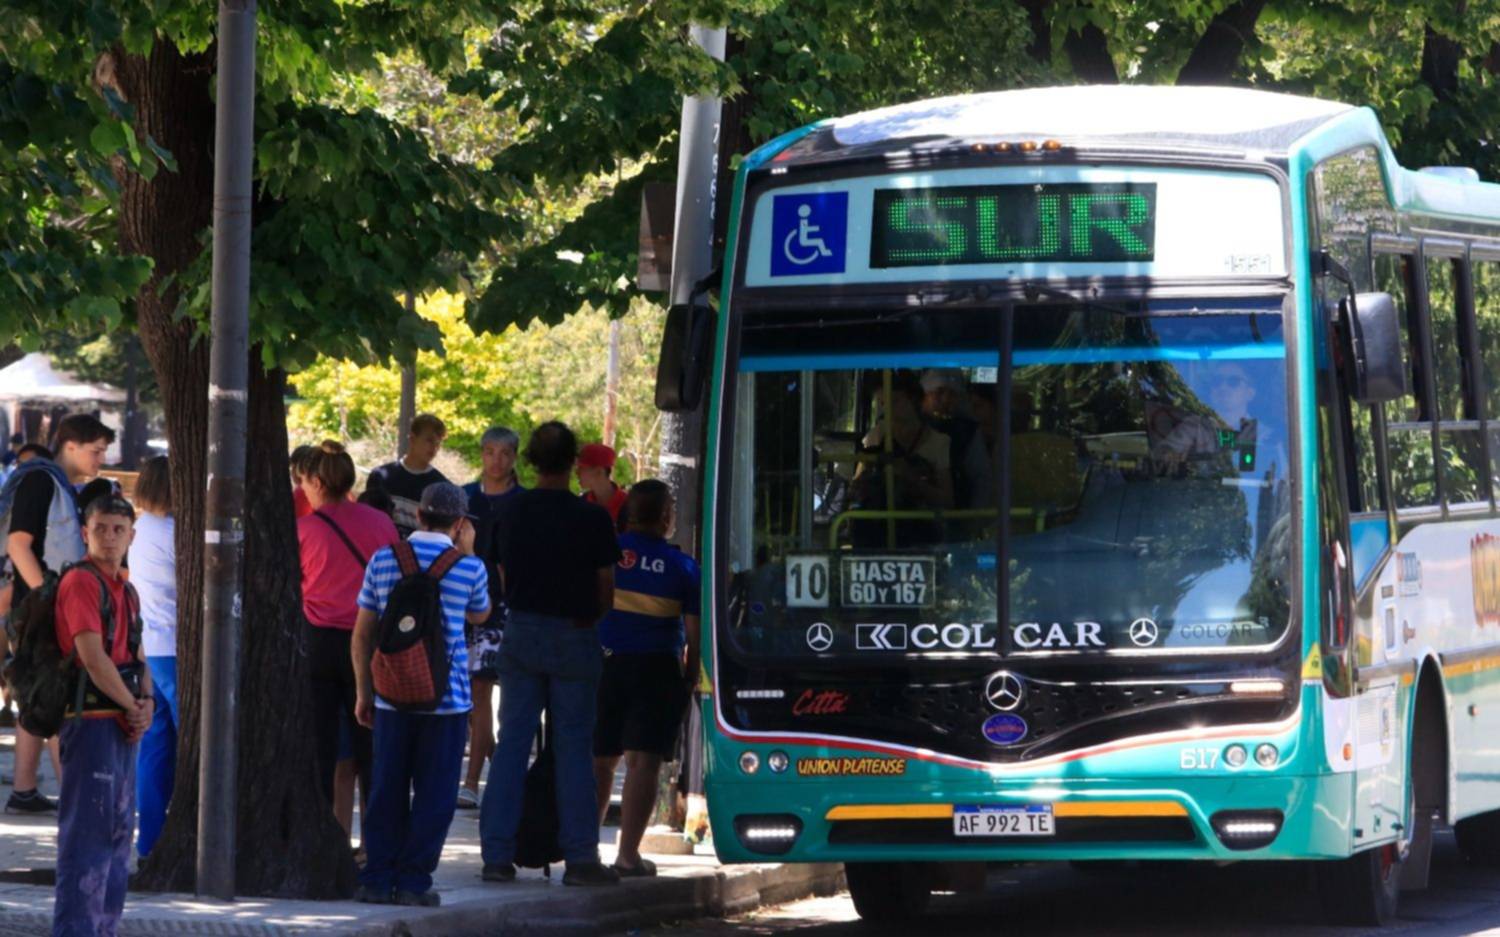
x=686 y=349
x=1375 y=334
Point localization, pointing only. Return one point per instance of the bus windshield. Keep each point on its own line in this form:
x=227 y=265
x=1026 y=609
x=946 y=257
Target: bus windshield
x=1138 y=453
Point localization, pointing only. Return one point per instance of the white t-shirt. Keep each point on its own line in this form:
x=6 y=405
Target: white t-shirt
x=153 y=572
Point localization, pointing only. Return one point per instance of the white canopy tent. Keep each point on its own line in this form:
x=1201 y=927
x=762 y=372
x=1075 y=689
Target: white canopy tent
x=33 y=379
x=32 y=383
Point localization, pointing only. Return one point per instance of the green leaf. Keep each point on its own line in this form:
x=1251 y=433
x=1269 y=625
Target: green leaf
x=107 y=138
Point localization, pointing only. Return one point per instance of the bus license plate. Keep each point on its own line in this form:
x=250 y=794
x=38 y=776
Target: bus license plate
x=984 y=820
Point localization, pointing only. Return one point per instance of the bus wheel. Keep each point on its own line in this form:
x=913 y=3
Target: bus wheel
x=1479 y=838
x=1364 y=888
x=888 y=891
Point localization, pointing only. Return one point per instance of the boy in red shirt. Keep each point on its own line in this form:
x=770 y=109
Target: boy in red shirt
x=96 y=812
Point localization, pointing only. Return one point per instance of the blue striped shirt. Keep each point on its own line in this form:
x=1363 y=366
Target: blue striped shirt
x=465 y=589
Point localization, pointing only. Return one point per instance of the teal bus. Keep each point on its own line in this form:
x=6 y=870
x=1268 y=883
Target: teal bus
x=1100 y=473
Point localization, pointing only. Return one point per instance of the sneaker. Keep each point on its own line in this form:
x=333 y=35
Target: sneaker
x=467 y=799
x=427 y=899
x=498 y=872
x=367 y=895
x=29 y=802
x=590 y=873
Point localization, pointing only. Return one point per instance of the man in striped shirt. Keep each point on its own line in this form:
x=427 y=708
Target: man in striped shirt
x=418 y=755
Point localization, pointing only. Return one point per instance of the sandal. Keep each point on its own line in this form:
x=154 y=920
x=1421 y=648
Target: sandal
x=467 y=799
x=643 y=869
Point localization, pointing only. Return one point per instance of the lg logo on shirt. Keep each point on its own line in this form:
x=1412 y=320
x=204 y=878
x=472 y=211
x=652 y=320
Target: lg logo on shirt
x=649 y=564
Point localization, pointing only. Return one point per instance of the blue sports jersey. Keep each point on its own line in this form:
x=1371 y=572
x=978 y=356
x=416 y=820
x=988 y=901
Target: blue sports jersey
x=655 y=585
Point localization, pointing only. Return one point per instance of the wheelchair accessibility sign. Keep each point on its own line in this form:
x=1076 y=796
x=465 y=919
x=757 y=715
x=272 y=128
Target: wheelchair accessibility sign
x=808 y=233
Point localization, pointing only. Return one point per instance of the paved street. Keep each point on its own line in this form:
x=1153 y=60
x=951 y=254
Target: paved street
x=1163 y=899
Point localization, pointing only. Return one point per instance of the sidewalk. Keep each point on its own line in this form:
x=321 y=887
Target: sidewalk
x=687 y=886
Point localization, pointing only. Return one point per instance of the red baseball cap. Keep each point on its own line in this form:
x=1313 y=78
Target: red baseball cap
x=597 y=455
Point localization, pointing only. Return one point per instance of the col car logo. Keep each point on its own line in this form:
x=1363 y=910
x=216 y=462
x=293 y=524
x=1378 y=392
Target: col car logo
x=1004 y=729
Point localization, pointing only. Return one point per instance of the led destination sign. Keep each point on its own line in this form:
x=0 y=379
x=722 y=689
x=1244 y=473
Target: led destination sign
x=1066 y=222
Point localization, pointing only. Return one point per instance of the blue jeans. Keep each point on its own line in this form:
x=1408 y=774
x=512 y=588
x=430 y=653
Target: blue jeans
x=545 y=663
x=95 y=816
x=157 y=768
x=413 y=793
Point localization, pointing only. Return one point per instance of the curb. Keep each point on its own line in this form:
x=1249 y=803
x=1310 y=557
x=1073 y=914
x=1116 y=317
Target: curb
x=642 y=903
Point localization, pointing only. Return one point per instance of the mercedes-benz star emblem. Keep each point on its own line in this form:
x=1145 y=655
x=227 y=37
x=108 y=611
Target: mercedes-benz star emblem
x=1004 y=691
x=820 y=637
x=1143 y=632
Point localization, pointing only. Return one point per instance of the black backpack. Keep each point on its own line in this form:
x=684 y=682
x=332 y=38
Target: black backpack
x=410 y=664
x=537 y=837
x=44 y=683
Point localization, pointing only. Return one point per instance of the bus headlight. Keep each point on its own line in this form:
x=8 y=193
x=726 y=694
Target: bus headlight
x=769 y=834
x=1246 y=829
x=1235 y=755
x=749 y=762
x=778 y=762
x=1266 y=755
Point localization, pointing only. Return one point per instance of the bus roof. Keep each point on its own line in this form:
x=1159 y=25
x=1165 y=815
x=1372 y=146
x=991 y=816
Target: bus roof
x=1231 y=118
x=1235 y=122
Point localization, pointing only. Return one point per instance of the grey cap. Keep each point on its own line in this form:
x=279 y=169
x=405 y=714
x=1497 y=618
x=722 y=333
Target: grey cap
x=445 y=499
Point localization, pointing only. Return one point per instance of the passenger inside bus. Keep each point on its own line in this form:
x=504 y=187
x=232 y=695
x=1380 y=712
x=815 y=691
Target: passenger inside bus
x=1228 y=430
x=945 y=405
x=907 y=466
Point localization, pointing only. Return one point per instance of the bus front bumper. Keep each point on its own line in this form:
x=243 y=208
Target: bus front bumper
x=1266 y=816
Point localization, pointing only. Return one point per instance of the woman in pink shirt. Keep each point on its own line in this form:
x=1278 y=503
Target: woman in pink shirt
x=337 y=540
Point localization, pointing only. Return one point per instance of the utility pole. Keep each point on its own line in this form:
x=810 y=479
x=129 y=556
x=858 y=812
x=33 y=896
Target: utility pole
x=692 y=259
x=682 y=433
x=407 y=409
x=612 y=383
x=228 y=399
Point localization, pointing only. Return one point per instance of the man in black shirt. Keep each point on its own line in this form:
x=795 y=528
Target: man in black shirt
x=45 y=533
x=556 y=553
x=405 y=479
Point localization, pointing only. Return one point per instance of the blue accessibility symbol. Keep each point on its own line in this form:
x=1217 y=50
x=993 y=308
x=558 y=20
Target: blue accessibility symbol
x=808 y=233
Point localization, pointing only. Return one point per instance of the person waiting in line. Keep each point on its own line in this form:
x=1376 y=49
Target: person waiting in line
x=26 y=453
x=499 y=448
x=297 y=465
x=596 y=463
x=406 y=478
x=336 y=541
x=557 y=555
x=8 y=458
x=651 y=642
x=46 y=533
x=418 y=755
x=97 y=818
x=153 y=572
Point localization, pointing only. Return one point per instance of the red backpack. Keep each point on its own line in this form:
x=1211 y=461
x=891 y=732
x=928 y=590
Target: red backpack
x=410 y=665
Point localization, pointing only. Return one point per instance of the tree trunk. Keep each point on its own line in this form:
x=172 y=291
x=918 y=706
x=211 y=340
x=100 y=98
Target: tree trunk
x=1222 y=45
x=1088 y=53
x=289 y=844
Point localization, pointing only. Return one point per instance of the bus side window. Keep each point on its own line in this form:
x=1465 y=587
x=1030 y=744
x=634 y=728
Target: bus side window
x=1461 y=451
x=1408 y=426
x=1486 y=275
